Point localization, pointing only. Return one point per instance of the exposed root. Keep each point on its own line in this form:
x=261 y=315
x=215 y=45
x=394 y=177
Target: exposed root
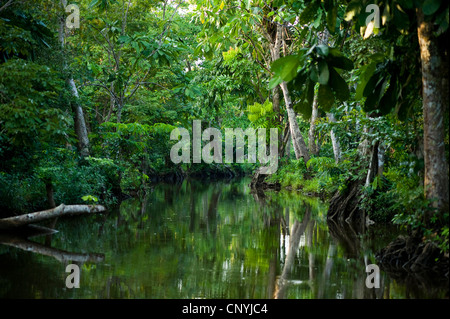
x=410 y=258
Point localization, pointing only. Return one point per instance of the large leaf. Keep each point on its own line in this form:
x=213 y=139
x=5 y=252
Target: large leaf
x=309 y=13
x=322 y=49
x=286 y=67
x=314 y=74
x=325 y=97
x=331 y=19
x=324 y=74
x=303 y=108
x=365 y=74
x=274 y=82
x=353 y=9
x=389 y=99
x=338 y=85
x=430 y=6
x=372 y=84
x=336 y=59
x=299 y=81
x=306 y=99
x=373 y=98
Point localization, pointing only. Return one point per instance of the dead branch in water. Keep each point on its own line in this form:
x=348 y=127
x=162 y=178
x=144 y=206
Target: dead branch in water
x=31 y=218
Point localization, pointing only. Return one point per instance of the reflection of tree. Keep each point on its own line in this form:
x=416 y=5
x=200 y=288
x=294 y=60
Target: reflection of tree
x=350 y=238
x=58 y=254
x=311 y=255
x=296 y=232
x=116 y=287
x=347 y=236
x=192 y=204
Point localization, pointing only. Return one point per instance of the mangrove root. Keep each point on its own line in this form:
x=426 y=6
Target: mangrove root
x=411 y=255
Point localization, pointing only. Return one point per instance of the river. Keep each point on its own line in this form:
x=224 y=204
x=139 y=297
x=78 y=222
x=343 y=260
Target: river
x=199 y=239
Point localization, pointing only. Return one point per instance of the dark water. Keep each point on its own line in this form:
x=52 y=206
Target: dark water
x=202 y=240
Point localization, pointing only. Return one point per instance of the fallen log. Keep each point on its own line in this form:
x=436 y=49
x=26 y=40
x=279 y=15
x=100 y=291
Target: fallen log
x=31 y=218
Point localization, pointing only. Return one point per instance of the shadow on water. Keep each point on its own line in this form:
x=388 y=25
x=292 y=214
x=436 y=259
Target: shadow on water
x=201 y=240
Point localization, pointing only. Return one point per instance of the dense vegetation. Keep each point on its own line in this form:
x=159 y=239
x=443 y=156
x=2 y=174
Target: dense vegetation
x=86 y=112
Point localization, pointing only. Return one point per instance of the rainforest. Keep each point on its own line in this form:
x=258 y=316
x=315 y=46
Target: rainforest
x=107 y=108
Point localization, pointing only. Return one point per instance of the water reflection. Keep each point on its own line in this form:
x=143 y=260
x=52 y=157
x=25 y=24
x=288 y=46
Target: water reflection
x=201 y=240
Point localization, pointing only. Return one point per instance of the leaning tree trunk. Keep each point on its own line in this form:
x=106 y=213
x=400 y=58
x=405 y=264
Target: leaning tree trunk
x=300 y=148
x=298 y=142
x=79 y=121
x=433 y=91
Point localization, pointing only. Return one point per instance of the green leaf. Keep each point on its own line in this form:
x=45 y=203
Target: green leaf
x=353 y=9
x=331 y=19
x=322 y=50
x=276 y=80
x=124 y=39
x=303 y=108
x=298 y=81
x=310 y=92
x=377 y=57
x=286 y=67
x=372 y=84
x=336 y=59
x=306 y=99
x=375 y=183
x=389 y=99
x=290 y=67
x=93 y=4
x=313 y=74
x=316 y=23
x=309 y=13
x=430 y=6
x=374 y=97
x=338 y=85
x=325 y=97
x=365 y=74
x=324 y=74
x=247 y=4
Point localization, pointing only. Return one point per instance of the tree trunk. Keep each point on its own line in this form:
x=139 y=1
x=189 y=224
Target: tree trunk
x=433 y=91
x=300 y=148
x=31 y=218
x=334 y=140
x=80 y=124
x=79 y=121
x=381 y=158
x=49 y=191
x=373 y=165
x=364 y=147
x=313 y=147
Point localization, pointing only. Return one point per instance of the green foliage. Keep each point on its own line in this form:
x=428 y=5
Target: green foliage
x=262 y=115
x=90 y=199
x=308 y=67
x=31 y=96
x=20 y=194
